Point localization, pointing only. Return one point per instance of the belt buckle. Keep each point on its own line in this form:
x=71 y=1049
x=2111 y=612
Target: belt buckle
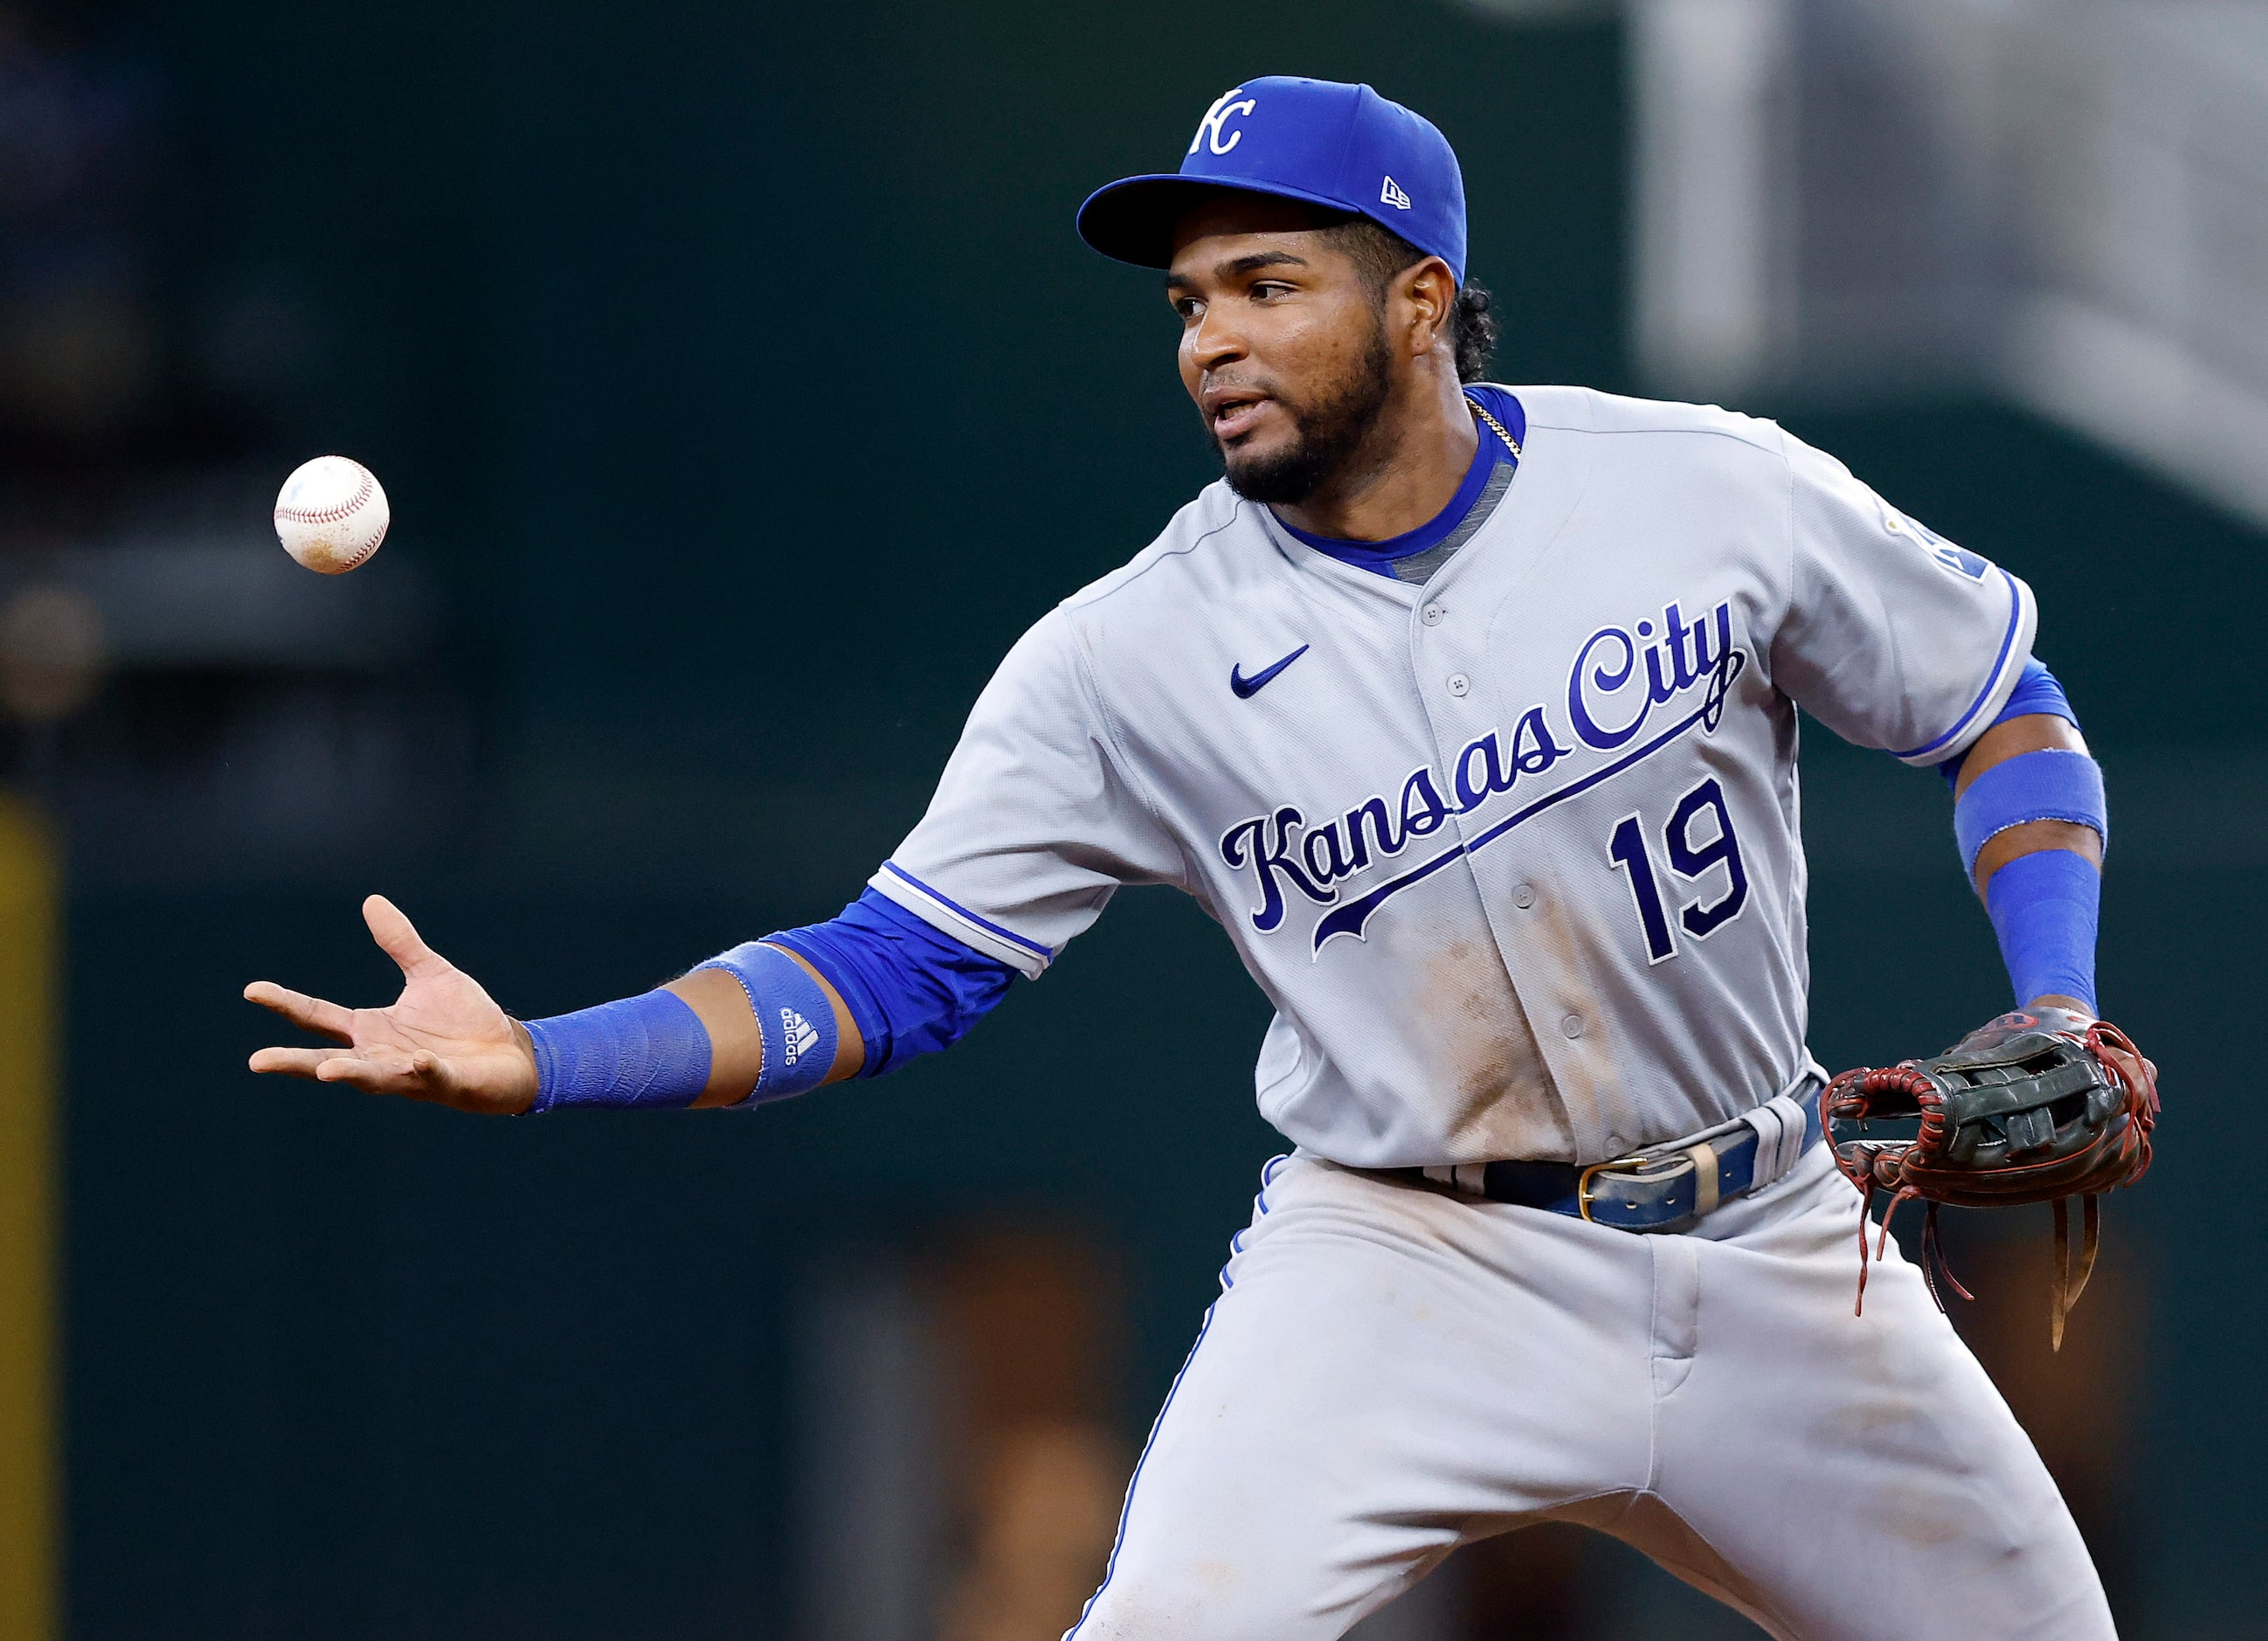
x=1700 y=1157
x=1613 y=1165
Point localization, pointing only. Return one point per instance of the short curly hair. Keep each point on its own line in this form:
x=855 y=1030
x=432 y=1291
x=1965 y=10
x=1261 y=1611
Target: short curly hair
x=1380 y=254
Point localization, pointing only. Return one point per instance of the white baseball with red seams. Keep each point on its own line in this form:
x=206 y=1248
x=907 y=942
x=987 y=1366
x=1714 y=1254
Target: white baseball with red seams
x=331 y=514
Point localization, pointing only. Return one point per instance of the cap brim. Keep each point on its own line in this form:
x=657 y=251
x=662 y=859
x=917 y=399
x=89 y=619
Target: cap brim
x=1132 y=220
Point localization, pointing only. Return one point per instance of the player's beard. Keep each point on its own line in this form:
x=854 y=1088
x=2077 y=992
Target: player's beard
x=1331 y=429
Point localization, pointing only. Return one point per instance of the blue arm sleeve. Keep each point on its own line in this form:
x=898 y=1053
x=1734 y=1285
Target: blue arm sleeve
x=648 y=1050
x=912 y=990
x=2036 y=692
x=2044 y=908
x=2045 y=905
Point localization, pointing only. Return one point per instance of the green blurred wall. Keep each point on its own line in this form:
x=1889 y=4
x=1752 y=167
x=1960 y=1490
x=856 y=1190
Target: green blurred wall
x=738 y=370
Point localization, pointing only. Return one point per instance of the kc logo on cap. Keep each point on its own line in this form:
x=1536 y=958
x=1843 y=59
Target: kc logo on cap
x=1340 y=147
x=1217 y=119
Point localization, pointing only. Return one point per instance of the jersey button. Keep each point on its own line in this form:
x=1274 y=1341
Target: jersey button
x=1459 y=684
x=1433 y=614
x=1573 y=1026
x=1523 y=895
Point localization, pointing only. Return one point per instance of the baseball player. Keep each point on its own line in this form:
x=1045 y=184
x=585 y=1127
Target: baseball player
x=1468 y=712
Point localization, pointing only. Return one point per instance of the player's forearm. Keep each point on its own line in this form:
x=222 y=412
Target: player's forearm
x=757 y=1022
x=861 y=994
x=736 y=1043
x=2015 y=737
x=2032 y=822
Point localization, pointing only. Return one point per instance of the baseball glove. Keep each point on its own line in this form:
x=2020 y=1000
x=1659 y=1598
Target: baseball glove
x=2032 y=1107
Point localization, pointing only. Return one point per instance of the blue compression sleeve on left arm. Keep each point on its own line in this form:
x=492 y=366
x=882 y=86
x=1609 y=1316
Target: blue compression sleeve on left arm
x=2045 y=908
x=911 y=989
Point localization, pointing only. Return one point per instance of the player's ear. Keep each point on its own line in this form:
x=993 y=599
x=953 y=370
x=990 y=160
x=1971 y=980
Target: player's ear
x=1427 y=295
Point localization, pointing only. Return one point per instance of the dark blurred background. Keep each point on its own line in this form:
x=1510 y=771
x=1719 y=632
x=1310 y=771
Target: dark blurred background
x=741 y=392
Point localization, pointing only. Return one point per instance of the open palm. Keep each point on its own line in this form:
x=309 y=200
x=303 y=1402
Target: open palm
x=444 y=1040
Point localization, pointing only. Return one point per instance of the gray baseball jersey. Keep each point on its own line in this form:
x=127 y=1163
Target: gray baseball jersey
x=1514 y=853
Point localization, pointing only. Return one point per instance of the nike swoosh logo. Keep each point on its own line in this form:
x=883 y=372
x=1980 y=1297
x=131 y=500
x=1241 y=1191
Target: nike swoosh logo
x=1247 y=687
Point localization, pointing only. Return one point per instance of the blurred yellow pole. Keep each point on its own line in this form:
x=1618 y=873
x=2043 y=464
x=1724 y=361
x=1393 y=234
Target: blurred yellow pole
x=29 y=950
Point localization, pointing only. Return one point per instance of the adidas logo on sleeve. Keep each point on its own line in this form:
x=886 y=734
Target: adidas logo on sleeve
x=801 y=1036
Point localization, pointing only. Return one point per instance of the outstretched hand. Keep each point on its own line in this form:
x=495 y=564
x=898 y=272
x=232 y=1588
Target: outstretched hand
x=444 y=1040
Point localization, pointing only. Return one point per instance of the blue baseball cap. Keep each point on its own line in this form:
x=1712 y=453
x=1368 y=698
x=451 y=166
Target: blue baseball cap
x=1343 y=147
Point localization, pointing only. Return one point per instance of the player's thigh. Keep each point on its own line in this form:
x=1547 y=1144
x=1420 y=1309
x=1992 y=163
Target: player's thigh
x=1368 y=1383
x=1859 y=1477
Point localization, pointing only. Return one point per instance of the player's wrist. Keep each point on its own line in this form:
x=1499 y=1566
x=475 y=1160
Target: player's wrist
x=523 y=1086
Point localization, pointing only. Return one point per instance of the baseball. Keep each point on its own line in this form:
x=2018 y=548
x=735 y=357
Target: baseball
x=331 y=515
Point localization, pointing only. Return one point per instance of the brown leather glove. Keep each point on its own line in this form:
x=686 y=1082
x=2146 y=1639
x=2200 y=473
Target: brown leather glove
x=2032 y=1107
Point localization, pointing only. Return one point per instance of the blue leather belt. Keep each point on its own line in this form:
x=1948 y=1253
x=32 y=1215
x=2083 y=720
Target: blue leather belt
x=1662 y=1187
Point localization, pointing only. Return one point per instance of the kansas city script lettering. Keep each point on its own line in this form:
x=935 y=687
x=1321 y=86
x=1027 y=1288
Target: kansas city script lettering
x=1618 y=681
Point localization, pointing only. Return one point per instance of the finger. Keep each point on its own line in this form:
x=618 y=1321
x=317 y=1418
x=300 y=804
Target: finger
x=385 y=1071
x=403 y=1074
x=381 y=1072
x=315 y=1014
x=290 y=1062
x=421 y=1076
x=435 y=1077
x=397 y=938
x=357 y=1074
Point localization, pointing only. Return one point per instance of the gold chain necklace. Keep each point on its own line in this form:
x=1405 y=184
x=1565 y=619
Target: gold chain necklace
x=1495 y=426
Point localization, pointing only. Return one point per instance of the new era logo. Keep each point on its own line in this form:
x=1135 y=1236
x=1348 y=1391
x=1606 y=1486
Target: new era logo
x=802 y=1038
x=1392 y=195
